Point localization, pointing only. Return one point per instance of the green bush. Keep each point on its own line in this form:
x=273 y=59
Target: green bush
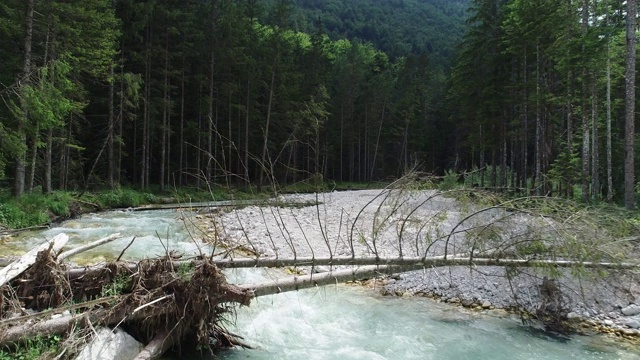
x=449 y=181
x=35 y=348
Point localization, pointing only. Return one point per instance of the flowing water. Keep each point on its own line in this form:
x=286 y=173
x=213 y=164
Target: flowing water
x=333 y=322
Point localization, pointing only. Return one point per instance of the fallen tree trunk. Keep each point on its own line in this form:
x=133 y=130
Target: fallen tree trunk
x=438 y=261
x=16 y=268
x=89 y=246
x=295 y=283
x=406 y=262
x=110 y=316
x=21 y=333
x=156 y=347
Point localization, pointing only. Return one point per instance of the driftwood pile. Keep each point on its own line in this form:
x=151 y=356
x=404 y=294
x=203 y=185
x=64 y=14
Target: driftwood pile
x=160 y=302
x=165 y=303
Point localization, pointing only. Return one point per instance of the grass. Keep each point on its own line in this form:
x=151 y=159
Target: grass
x=32 y=209
x=33 y=349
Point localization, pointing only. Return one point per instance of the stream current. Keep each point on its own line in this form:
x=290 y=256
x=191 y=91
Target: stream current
x=332 y=322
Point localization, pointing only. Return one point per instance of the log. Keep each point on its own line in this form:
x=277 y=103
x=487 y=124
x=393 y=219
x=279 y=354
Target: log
x=107 y=316
x=156 y=347
x=437 y=261
x=294 y=283
x=408 y=262
x=23 y=332
x=59 y=310
x=89 y=246
x=16 y=268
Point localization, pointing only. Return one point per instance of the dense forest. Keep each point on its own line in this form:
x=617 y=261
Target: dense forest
x=528 y=94
x=397 y=27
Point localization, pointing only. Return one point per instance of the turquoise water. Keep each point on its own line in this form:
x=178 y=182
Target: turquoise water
x=333 y=322
x=347 y=322
x=155 y=232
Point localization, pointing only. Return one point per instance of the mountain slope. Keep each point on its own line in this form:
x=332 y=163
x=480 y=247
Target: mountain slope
x=397 y=27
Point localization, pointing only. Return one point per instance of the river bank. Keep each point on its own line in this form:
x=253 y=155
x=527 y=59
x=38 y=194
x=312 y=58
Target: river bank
x=369 y=223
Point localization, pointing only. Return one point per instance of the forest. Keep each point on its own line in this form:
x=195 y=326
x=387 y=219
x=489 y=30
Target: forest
x=531 y=95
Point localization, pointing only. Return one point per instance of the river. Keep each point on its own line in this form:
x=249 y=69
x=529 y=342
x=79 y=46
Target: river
x=332 y=322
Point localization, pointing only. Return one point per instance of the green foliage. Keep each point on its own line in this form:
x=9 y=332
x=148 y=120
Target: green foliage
x=33 y=209
x=118 y=286
x=123 y=198
x=449 y=181
x=398 y=28
x=35 y=348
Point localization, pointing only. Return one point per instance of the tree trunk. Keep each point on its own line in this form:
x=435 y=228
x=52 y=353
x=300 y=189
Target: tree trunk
x=609 y=146
x=111 y=129
x=246 y=135
x=19 y=177
x=181 y=150
x=630 y=106
x=585 y=118
x=48 y=154
x=595 y=163
x=263 y=158
x=538 y=177
x=165 y=115
x=144 y=176
x=34 y=157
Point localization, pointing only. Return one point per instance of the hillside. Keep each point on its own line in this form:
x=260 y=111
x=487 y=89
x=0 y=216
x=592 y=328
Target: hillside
x=397 y=27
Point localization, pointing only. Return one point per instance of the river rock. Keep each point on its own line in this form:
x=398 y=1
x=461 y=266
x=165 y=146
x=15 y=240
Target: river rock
x=110 y=345
x=486 y=304
x=633 y=323
x=631 y=310
x=321 y=269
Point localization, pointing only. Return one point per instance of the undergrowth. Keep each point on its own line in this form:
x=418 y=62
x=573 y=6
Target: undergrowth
x=35 y=348
x=33 y=209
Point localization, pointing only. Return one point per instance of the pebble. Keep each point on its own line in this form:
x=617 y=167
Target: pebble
x=634 y=324
x=631 y=310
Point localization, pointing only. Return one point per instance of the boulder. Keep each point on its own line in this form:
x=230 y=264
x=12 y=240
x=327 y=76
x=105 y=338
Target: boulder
x=110 y=344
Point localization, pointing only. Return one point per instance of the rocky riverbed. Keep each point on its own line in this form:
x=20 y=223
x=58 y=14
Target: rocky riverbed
x=369 y=223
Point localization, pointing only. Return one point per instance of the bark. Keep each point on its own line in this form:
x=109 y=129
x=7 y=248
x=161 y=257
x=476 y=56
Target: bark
x=165 y=113
x=595 y=146
x=109 y=316
x=246 y=134
x=181 y=149
x=295 y=283
x=32 y=163
x=538 y=146
x=20 y=169
x=156 y=347
x=630 y=97
x=402 y=262
x=417 y=262
x=110 y=133
x=18 y=267
x=585 y=121
x=144 y=169
x=89 y=246
x=265 y=145
x=609 y=146
x=48 y=155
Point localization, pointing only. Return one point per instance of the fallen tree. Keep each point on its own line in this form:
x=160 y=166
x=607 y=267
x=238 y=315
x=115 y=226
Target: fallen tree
x=157 y=300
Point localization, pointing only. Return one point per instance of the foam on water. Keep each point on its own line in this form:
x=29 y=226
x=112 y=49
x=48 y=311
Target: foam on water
x=156 y=232
x=346 y=322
